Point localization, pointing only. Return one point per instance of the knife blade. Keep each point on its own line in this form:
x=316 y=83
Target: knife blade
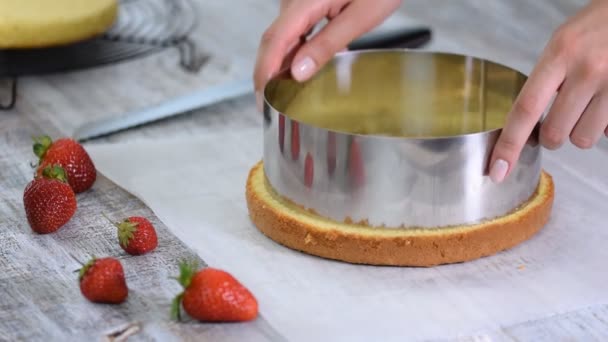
x=198 y=99
x=178 y=105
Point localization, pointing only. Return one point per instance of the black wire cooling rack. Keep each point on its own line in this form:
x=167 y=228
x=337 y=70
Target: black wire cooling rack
x=142 y=27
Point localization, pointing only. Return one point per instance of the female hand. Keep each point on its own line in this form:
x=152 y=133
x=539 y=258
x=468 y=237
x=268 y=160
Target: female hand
x=283 y=44
x=574 y=64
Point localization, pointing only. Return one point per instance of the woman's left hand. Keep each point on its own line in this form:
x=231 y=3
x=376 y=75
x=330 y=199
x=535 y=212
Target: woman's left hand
x=575 y=65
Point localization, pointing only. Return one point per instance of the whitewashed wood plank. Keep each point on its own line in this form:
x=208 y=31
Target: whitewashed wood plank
x=40 y=298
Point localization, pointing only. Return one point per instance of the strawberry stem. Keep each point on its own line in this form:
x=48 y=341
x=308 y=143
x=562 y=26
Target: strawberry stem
x=176 y=307
x=107 y=218
x=186 y=272
x=77 y=260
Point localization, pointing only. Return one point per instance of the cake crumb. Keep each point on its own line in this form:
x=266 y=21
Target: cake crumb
x=332 y=236
x=309 y=239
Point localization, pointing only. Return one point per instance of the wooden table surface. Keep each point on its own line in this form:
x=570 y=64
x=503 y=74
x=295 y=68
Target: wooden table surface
x=40 y=298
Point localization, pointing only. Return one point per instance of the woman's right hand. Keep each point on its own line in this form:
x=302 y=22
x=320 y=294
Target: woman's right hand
x=284 y=43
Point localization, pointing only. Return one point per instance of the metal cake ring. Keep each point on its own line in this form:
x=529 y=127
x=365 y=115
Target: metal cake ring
x=396 y=138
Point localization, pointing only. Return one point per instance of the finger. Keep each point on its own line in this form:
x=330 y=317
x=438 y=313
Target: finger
x=589 y=128
x=284 y=4
x=287 y=60
x=283 y=34
x=354 y=20
x=566 y=110
x=527 y=109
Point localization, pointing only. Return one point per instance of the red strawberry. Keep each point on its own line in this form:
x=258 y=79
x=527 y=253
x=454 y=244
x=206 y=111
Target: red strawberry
x=71 y=156
x=213 y=295
x=136 y=235
x=103 y=281
x=49 y=201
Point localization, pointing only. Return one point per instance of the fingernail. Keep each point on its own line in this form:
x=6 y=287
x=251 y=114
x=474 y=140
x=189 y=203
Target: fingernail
x=259 y=101
x=304 y=68
x=499 y=170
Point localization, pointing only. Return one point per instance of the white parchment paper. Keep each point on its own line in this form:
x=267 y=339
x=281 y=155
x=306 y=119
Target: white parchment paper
x=197 y=187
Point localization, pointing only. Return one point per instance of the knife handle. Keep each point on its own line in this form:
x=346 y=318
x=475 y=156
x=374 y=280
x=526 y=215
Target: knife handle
x=411 y=37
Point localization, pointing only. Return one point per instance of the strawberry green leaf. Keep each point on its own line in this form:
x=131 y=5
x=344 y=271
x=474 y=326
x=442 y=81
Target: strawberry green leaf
x=186 y=272
x=86 y=267
x=126 y=230
x=55 y=172
x=187 y=269
x=41 y=145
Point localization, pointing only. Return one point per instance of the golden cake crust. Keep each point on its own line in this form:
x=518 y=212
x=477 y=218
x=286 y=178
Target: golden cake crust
x=28 y=24
x=301 y=230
